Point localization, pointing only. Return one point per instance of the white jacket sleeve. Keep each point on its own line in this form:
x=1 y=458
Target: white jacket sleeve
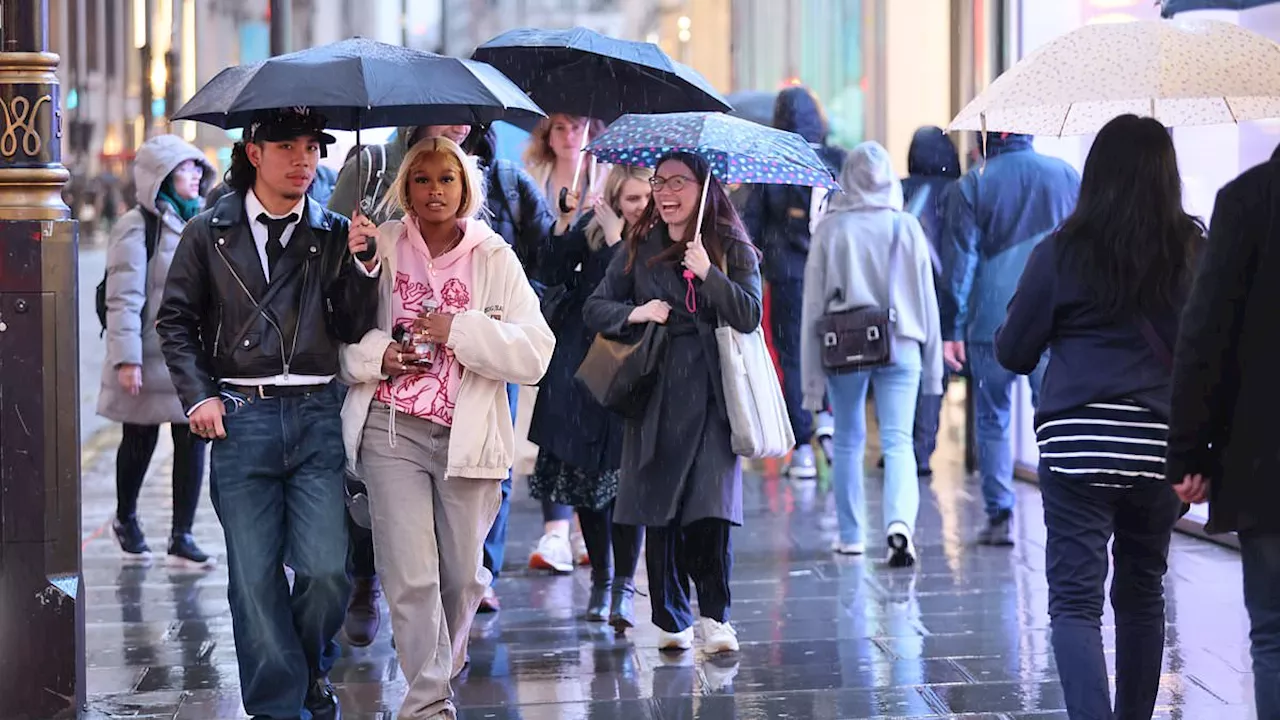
x=362 y=362
x=515 y=348
x=813 y=377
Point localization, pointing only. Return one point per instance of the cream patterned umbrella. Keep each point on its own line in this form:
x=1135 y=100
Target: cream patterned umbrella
x=1181 y=72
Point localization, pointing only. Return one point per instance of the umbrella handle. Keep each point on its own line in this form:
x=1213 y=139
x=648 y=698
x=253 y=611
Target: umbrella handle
x=702 y=208
x=366 y=205
x=577 y=170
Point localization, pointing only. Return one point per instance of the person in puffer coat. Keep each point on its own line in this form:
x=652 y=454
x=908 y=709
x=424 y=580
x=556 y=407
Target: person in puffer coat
x=170 y=176
x=995 y=216
x=780 y=219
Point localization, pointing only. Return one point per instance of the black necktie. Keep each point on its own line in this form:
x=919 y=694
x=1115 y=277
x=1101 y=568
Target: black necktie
x=275 y=231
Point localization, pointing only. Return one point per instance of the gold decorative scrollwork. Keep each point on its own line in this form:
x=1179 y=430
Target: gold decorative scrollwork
x=20 y=115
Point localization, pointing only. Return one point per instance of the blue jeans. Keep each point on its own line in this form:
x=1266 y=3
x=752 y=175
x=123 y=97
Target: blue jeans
x=896 y=387
x=495 y=545
x=1081 y=519
x=993 y=403
x=277 y=486
x=1260 y=556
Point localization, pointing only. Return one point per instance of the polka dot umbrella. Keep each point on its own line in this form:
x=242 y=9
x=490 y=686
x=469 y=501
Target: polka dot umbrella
x=738 y=151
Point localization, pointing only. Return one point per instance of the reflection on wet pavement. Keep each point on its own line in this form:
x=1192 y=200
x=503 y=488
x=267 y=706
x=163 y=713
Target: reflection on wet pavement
x=963 y=635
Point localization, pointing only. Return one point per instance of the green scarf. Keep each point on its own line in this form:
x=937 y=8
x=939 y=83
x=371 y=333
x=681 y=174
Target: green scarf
x=186 y=209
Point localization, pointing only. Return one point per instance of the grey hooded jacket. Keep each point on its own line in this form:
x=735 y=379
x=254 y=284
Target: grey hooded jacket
x=135 y=287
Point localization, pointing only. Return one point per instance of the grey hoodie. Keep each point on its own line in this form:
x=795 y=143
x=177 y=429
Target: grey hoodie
x=848 y=267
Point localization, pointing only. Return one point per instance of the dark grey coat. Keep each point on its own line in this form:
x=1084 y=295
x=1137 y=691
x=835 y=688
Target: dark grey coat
x=677 y=462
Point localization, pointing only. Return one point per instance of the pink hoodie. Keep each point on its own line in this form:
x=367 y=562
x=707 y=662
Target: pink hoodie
x=446 y=280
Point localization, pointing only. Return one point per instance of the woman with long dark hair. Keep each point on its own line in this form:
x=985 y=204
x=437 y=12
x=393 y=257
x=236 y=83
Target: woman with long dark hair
x=1103 y=295
x=680 y=477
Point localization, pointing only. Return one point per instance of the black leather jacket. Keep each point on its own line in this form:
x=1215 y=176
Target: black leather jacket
x=209 y=323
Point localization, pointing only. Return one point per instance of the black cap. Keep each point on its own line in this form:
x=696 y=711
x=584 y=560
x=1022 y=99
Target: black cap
x=280 y=124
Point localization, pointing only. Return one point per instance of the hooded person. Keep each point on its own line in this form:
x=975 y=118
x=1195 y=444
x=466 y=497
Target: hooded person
x=867 y=252
x=169 y=176
x=933 y=165
x=781 y=219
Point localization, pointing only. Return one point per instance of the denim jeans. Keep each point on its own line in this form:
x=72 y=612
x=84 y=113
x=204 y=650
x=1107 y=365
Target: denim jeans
x=495 y=545
x=896 y=387
x=786 y=298
x=925 y=430
x=1260 y=555
x=277 y=487
x=993 y=404
x=1080 y=520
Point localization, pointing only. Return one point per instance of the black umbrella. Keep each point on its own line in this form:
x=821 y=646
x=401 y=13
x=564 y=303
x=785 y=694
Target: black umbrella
x=577 y=71
x=359 y=83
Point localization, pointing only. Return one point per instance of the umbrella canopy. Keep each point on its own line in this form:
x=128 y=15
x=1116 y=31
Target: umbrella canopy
x=738 y=151
x=1169 y=8
x=362 y=83
x=581 y=72
x=754 y=105
x=1181 y=72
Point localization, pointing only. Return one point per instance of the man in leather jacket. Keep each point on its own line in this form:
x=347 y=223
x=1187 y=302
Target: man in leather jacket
x=262 y=291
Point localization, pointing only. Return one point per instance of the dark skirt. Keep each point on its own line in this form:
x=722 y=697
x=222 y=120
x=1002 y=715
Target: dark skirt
x=562 y=483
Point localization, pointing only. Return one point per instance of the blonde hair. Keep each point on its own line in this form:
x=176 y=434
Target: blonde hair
x=539 y=153
x=473 y=191
x=613 y=182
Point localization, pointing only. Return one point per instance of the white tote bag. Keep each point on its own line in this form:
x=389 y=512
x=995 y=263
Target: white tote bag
x=757 y=411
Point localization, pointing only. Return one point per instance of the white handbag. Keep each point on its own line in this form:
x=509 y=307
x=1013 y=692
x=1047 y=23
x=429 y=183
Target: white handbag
x=760 y=427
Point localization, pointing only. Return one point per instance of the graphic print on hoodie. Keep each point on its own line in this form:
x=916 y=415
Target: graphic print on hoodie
x=421 y=278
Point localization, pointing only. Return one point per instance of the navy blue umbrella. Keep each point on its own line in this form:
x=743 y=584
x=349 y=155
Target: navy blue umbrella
x=359 y=83
x=577 y=71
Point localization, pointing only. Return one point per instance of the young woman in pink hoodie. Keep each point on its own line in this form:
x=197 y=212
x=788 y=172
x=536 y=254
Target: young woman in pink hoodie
x=426 y=424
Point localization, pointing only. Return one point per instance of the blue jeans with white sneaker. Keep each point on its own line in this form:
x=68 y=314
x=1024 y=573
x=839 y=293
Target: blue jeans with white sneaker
x=896 y=387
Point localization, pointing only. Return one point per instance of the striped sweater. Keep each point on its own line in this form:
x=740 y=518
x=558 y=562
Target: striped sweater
x=1111 y=444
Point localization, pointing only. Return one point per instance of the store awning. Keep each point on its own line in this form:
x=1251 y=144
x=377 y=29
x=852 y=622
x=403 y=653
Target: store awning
x=1169 y=8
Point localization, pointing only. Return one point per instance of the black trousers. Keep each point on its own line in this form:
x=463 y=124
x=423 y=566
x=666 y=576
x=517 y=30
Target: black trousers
x=359 y=551
x=605 y=540
x=137 y=446
x=700 y=552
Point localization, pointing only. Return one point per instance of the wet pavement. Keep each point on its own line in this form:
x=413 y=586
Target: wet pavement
x=963 y=635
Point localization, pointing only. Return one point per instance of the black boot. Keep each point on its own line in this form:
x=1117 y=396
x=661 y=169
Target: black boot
x=322 y=700
x=363 y=614
x=597 y=606
x=622 y=613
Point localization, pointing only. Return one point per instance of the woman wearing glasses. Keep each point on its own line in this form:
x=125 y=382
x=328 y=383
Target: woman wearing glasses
x=680 y=477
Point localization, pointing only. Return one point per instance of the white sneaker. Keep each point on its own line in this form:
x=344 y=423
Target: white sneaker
x=718 y=637
x=578 y=544
x=803 y=466
x=824 y=426
x=553 y=553
x=843 y=548
x=680 y=641
x=902 y=551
